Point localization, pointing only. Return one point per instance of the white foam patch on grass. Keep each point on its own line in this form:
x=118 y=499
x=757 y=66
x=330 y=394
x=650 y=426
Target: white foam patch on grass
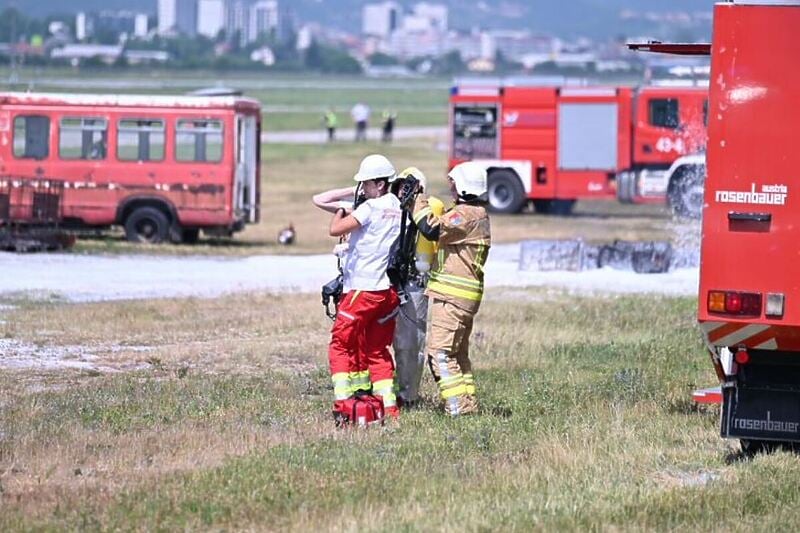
x=91 y=278
x=18 y=355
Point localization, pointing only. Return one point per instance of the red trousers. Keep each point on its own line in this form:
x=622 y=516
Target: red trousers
x=359 y=350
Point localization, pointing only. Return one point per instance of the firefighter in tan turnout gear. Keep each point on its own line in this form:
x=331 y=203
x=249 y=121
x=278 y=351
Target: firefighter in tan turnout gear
x=455 y=287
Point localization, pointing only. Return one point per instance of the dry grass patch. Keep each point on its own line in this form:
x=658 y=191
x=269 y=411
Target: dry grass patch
x=258 y=332
x=585 y=424
x=292 y=174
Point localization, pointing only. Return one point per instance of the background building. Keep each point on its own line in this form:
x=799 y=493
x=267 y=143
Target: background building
x=210 y=17
x=380 y=20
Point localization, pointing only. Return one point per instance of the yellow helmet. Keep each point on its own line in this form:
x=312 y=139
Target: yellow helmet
x=415 y=172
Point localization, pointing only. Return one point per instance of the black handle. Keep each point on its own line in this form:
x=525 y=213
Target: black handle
x=754 y=217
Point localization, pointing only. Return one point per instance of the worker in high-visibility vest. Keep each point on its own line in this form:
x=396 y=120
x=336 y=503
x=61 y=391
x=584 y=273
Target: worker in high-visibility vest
x=455 y=287
x=409 y=335
x=331 y=121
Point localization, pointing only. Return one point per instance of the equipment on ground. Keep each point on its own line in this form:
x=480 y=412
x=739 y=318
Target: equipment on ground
x=575 y=255
x=748 y=295
x=361 y=410
x=552 y=145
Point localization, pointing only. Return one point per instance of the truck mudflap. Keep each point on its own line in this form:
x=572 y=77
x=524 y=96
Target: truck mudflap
x=761 y=400
x=761 y=414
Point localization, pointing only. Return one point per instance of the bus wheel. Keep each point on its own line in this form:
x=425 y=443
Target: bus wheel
x=147 y=224
x=506 y=194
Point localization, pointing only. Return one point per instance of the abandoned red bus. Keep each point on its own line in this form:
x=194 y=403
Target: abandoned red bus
x=162 y=167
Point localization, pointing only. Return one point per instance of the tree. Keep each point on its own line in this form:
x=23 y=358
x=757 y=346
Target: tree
x=381 y=59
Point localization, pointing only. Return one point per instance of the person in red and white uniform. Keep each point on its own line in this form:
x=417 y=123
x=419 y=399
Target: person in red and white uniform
x=364 y=326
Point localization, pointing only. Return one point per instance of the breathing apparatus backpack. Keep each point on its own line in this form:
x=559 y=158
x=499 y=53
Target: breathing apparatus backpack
x=401 y=255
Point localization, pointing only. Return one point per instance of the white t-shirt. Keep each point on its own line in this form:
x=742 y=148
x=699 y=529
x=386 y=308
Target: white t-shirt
x=368 y=254
x=360 y=113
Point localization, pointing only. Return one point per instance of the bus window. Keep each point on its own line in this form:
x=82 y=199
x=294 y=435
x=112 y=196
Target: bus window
x=83 y=138
x=663 y=113
x=140 y=139
x=31 y=137
x=198 y=140
x=474 y=131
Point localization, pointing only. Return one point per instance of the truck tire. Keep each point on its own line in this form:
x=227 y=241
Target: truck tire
x=147 y=225
x=506 y=194
x=685 y=192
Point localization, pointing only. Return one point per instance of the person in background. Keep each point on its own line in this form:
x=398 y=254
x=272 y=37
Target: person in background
x=455 y=287
x=331 y=121
x=360 y=116
x=387 y=129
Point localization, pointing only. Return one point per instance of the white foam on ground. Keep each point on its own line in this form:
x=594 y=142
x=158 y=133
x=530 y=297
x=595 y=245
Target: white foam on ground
x=16 y=354
x=92 y=278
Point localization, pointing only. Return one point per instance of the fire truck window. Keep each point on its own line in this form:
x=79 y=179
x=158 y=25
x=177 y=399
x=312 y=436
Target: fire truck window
x=663 y=113
x=31 y=137
x=83 y=138
x=474 y=132
x=198 y=140
x=140 y=139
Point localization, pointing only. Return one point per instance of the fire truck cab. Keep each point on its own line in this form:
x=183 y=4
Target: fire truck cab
x=553 y=145
x=163 y=167
x=749 y=295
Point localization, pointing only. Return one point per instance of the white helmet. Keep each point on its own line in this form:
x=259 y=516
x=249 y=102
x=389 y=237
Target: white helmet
x=470 y=179
x=375 y=167
x=412 y=171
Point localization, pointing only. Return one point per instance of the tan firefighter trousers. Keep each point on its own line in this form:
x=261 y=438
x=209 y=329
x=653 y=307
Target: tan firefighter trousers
x=448 y=355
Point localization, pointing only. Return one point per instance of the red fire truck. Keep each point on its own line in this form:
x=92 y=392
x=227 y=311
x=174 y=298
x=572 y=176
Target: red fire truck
x=749 y=294
x=553 y=145
x=163 y=167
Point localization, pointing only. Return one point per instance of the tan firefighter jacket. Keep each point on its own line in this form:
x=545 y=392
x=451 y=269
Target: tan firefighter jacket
x=464 y=236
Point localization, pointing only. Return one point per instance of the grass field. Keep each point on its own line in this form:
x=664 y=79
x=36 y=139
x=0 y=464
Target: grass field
x=290 y=102
x=213 y=415
x=293 y=173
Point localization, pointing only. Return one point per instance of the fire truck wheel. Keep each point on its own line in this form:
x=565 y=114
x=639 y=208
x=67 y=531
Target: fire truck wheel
x=685 y=193
x=147 y=224
x=506 y=194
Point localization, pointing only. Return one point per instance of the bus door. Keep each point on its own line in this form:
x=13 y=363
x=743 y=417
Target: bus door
x=245 y=190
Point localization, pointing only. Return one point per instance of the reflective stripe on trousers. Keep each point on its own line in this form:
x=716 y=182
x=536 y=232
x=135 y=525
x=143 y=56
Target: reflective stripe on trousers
x=384 y=389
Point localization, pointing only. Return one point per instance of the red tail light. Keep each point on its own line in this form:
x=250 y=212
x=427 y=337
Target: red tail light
x=734 y=303
x=742 y=357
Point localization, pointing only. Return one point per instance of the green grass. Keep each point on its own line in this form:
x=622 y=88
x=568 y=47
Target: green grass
x=290 y=102
x=586 y=423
